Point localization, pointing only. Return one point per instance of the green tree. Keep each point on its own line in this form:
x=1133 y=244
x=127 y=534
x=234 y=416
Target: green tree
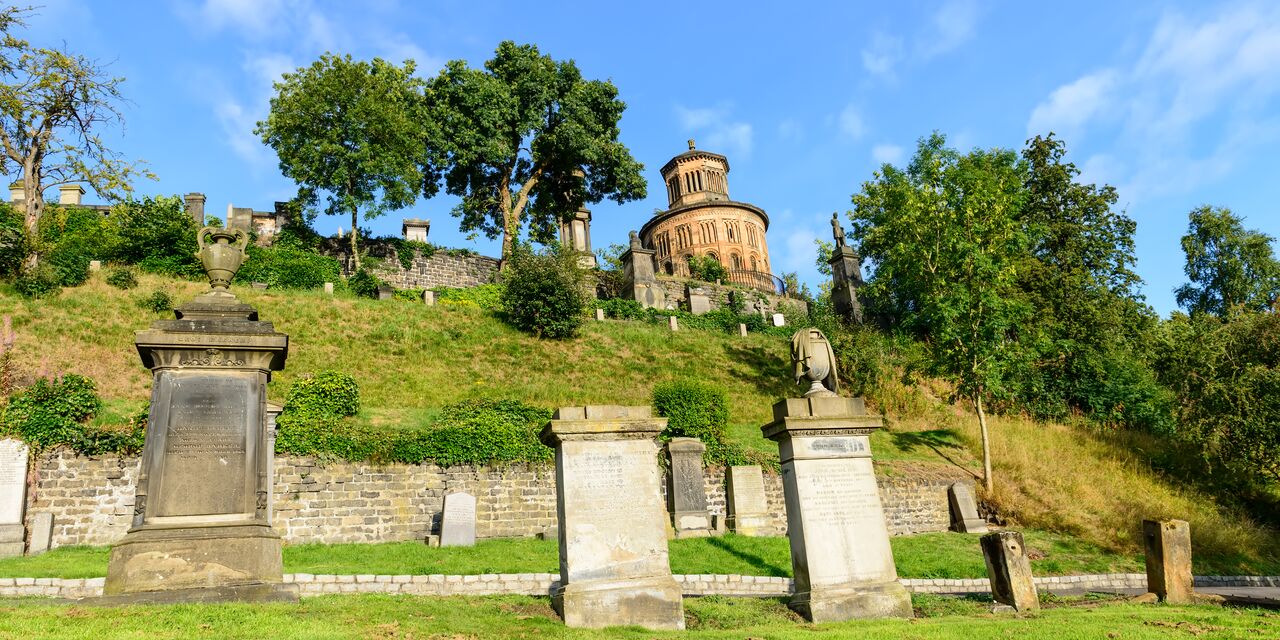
x=1230 y=268
x=527 y=139
x=354 y=131
x=944 y=240
x=53 y=107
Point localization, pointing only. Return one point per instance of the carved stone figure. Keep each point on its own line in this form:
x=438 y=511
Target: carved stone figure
x=814 y=362
x=837 y=231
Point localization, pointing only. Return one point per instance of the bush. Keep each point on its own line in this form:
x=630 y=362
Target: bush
x=707 y=269
x=477 y=432
x=72 y=266
x=51 y=412
x=695 y=410
x=622 y=309
x=543 y=293
x=326 y=394
x=330 y=436
x=408 y=295
x=364 y=284
x=485 y=296
x=288 y=268
x=13 y=240
x=157 y=235
x=41 y=281
x=122 y=278
x=159 y=302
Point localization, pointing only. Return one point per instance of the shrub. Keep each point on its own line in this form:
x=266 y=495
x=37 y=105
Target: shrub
x=122 y=278
x=329 y=436
x=288 y=268
x=694 y=410
x=159 y=302
x=543 y=293
x=157 y=235
x=622 y=309
x=364 y=284
x=40 y=281
x=408 y=295
x=13 y=240
x=328 y=393
x=51 y=412
x=707 y=269
x=477 y=432
x=485 y=296
x=72 y=266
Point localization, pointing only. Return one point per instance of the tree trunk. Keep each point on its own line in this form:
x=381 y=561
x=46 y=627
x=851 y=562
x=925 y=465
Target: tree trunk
x=986 y=444
x=34 y=206
x=355 y=245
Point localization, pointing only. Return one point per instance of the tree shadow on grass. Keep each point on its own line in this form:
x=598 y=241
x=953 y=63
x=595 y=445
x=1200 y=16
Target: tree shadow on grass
x=769 y=374
x=752 y=559
x=943 y=442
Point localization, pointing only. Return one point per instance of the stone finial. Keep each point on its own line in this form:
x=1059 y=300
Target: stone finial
x=814 y=362
x=836 y=230
x=222 y=251
x=691 y=145
x=635 y=241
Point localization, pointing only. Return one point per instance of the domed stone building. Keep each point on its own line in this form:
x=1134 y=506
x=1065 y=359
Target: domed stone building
x=701 y=220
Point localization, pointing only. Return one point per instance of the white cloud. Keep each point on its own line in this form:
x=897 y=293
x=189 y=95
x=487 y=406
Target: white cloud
x=267 y=69
x=1070 y=106
x=953 y=24
x=237 y=124
x=790 y=130
x=887 y=154
x=398 y=47
x=882 y=54
x=257 y=17
x=850 y=122
x=718 y=131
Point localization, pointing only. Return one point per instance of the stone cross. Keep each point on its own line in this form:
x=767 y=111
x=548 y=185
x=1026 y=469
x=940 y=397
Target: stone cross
x=13 y=496
x=1009 y=569
x=458 y=523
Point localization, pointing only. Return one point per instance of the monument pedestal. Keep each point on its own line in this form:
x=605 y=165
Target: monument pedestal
x=840 y=553
x=13 y=497
x=192 y=558
x=612 y=525
x=12 y=540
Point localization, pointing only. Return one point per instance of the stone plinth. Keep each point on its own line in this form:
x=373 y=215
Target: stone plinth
x=964 y=509
x=1009 y=569
x=200 y=525
x=13 y=497
x=840 y=552
x=686 y=490
x=846 y=277
x=640 y=282
x=612 y=527
x=745 y=498
x=458 y=521
x=1168 y=545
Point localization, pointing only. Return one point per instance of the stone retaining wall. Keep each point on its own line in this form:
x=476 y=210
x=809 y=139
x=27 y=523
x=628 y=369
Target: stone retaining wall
x=442 y=269
x=91 y=499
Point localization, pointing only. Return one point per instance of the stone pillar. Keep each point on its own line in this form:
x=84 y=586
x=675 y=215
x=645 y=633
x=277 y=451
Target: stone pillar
x=745 y=501
x=614 y=568
x=70 y=195
x=964 y=509
x=640 y=283
x=1010 y=571
x=428 y=297
x=1168 y=544
x=415 y=229
x=194 y=203
x=846 y=275
x=13 y=497
x=273 y=412
x=200 y=525
x=686 y=489
x=840 y=554
x=575 y=233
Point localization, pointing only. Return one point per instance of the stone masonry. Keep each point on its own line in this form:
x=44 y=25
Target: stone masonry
x=442 y=269
x=92 y=499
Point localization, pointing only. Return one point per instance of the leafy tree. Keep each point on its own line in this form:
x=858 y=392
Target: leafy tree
x=944 y=241
x=1230 y=268
x=527 y=139
x=53 y=107
x=157 y=234
x=353 y=130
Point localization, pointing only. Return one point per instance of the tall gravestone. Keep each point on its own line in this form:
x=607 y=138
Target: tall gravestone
x=686 y=488
x=200 y=525
x=13 y=496
x=964 y=509
x=747 y=506
x=614 y=568
x=840 y=553
x=458 y=520
x=846 y=275
x=640 y=280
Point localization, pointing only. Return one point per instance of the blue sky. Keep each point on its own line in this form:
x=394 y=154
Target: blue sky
x=1174 y=103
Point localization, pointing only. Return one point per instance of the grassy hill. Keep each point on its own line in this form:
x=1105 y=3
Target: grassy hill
x=410 y=359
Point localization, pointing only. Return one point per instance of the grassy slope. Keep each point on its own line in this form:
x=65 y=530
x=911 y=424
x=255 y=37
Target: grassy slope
x=411 y=359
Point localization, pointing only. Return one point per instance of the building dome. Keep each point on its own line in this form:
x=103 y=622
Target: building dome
x=701 y=220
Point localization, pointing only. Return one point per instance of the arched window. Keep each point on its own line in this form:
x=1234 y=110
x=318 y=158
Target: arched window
x=753 y=264
x=669 y=268
x=713 y=256
x=737 y=261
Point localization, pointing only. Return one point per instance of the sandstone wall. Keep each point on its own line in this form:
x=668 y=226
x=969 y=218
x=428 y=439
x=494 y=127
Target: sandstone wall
x=439 y=270
x=92 y=499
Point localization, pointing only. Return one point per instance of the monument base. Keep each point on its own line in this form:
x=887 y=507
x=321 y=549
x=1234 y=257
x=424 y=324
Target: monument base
x=970 y=526
x=751 y=525
x=653 y=603
x=691 y=524
x=886 y=600
x=195 y=560
x=262 y=592
x=12 y=541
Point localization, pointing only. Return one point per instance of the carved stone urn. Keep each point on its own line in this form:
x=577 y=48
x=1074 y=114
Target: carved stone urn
x=222 y=251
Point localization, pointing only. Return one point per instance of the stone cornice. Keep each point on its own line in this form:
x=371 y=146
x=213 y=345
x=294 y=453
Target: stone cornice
x=732 y=204
x=689 y=155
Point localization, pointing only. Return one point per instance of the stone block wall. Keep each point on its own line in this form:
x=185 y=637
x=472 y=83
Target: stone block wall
x=441 y=269
x=718 y=296
x=92 y=499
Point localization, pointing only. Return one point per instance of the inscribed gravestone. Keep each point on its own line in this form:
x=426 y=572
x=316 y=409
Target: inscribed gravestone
x=458 y=523
x=13 y=496
x=964 y=509
x=41 y=533
x=686 y=489
x=614 y=566
x=748 y=509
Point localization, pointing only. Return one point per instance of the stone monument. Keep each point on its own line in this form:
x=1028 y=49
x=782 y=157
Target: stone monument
x=13 y=496
x=1009 y=569
x=458 y=521
x=964 y=509
x=640 y=281
x=744 y=494
x=840 y=554
x=41 y=533
x=612 y=527
x=200 y=526
x=846 y=275
x=1168 y=547
x=686 y=489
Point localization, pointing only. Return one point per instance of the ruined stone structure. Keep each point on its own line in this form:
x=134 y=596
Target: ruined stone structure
x=701 y=220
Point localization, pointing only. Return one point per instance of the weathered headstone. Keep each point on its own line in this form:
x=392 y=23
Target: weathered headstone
x=742 y=329
x=779 y=320
x=747 y=506
x=95 y=265
x=640 y=281
x=328 y=288
x=200 y=529
x=964 y=509
x=428 y=297
x=41 y=533
x=458 y=522
x=385 y=292
x=1009 y=569
x=614 y=568
x=273 y=412
x=686 y=489
x=672 y=323
x=1168 y=546
x=13 y=496
x=599 y=315
x=699 y=301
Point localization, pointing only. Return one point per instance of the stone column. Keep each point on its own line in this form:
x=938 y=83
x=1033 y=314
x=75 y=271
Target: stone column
x=686 y=489
x=1010 y=571
x=575 y=234
x=612 y=528
x=846 y=275
x=195 y=207
x=840 y=554
x=13 y=497
x=640 y=282
x=1168 y=545
x=200 y=525
x=273 y=412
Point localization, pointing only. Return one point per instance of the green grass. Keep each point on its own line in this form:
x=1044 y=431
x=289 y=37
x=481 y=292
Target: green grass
x=930 y=555
x=458 y=618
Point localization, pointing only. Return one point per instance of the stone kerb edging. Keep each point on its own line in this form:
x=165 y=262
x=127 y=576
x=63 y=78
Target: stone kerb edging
x=537 y=584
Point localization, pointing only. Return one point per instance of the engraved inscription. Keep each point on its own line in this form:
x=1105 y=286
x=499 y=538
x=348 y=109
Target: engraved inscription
x=687 y=477
x=210 y=358
x=747 y=496
x=205 y=445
